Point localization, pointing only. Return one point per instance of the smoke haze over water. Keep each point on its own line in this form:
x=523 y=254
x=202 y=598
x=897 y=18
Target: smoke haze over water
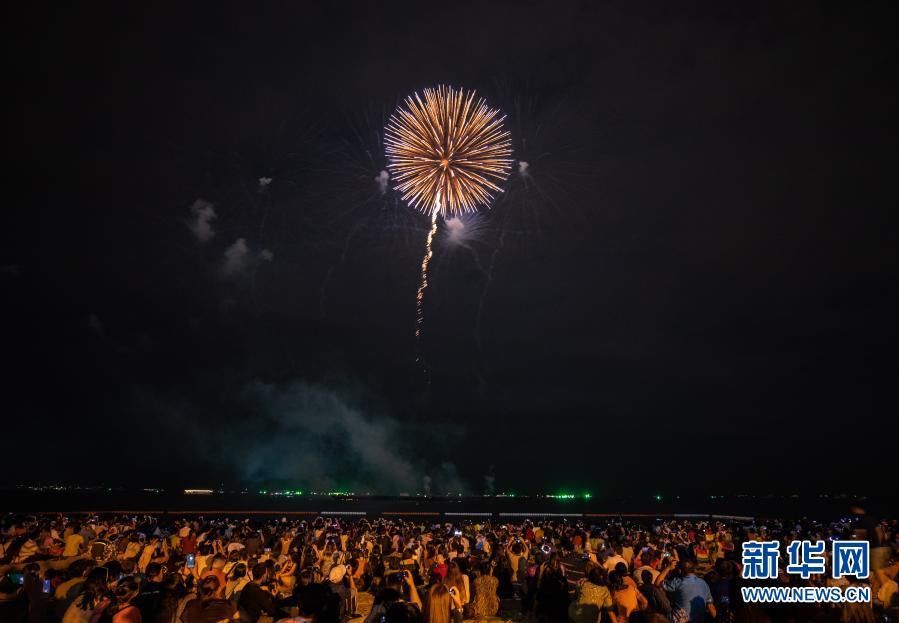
x=308 y=436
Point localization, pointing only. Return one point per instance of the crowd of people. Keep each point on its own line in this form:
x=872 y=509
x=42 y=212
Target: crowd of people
x=130 y=569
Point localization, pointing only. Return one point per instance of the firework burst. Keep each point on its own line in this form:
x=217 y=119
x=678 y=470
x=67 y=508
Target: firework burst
x=447 y=152
x=447 y=155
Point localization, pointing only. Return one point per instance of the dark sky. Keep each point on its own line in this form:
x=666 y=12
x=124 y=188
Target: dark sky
x=694 y=288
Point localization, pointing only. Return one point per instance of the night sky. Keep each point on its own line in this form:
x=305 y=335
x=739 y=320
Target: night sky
x=692 y=285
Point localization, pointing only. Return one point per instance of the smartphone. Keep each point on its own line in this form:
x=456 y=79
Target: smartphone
x=399 y=576
x=191 y=561
x=46 y=588
x=17 y=577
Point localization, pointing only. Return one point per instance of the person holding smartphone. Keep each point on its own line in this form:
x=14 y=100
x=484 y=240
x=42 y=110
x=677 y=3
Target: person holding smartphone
x=94 y=588
x=455 y=579
x=444 y=605
x=256 y=600
x=118 y=603
x=400 y=591
x=40 y=601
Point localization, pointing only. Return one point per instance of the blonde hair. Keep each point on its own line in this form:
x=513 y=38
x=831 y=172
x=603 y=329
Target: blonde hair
x=438 y=608
x=857 y=613
x=454 y=579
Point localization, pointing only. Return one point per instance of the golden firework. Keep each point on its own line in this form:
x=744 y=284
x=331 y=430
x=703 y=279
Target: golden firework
x=449 y=152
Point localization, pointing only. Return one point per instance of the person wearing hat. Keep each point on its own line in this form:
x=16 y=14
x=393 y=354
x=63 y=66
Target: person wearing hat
x=341 y=584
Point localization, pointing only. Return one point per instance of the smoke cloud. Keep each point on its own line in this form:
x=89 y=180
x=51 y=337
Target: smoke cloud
x=236 y=258
x=310 y=436
x=448 y=480
x=455 y=229
x=239 y=259
x=490 y=482
x=461 y=230
x=94 y=324
x=523 y=168
x=201 y=225
x=315 y=437
x=382 y=179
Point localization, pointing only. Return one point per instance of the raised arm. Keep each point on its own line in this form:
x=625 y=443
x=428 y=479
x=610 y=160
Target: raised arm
x=413 y=591
x=666 y=569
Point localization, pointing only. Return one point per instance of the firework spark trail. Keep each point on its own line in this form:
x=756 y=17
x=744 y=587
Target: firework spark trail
x=447 y=153
x=425 y=261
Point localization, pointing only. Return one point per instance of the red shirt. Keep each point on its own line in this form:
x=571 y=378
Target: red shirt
x=189 y=545
x=439 y=570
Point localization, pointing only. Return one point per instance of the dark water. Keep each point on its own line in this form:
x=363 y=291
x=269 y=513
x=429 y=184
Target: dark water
x=176 y=502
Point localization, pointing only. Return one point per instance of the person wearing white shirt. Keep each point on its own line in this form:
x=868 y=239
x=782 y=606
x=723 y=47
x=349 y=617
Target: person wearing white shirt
x=638 y=574
x=614 y=559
